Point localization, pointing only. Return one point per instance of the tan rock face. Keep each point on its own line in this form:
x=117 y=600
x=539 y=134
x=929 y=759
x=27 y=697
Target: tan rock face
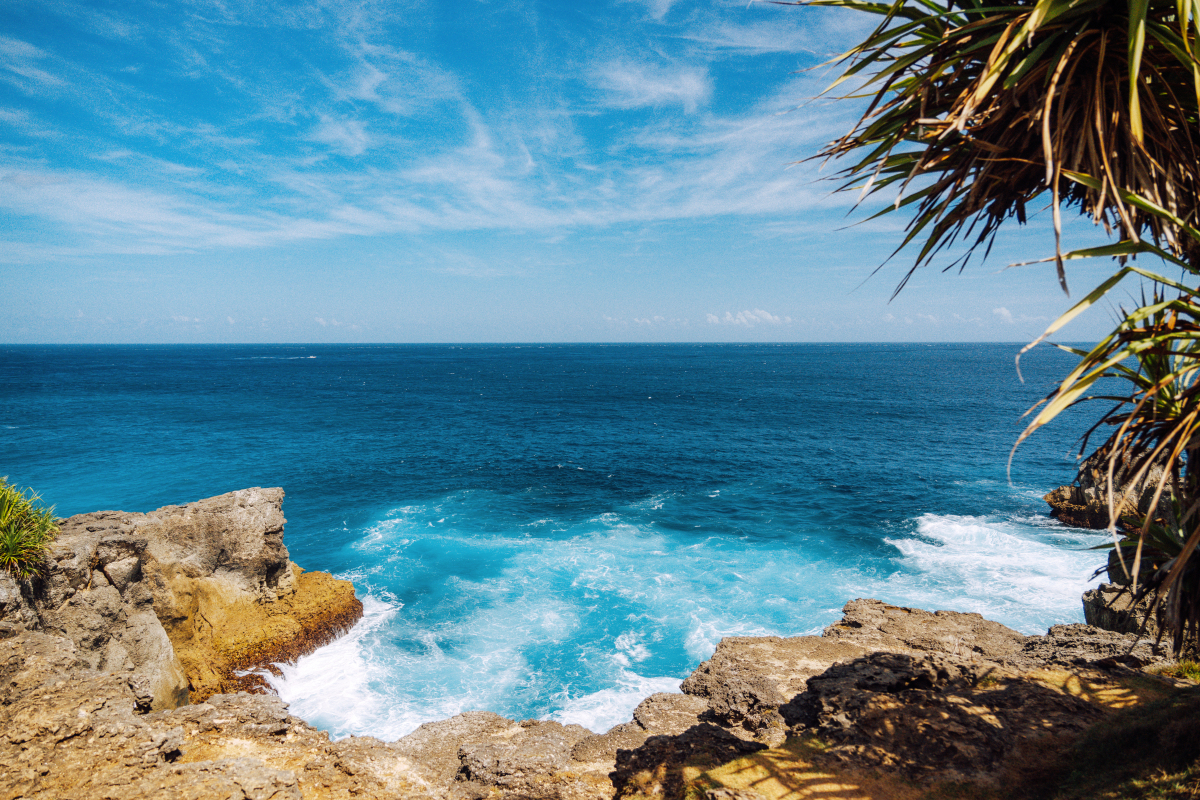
x=1084 y=503
x=878 y=626
x=185 y=596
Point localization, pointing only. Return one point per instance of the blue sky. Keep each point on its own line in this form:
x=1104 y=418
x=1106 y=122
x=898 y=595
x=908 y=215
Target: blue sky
x=252 y=171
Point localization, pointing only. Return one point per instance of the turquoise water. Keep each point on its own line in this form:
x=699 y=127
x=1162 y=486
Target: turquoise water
x=558 y=531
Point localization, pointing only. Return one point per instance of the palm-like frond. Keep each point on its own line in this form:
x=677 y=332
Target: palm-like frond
x=978 y=108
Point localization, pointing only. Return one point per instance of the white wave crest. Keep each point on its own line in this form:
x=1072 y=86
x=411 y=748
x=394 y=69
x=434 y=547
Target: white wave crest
x=600 y=711
x=1025 y=573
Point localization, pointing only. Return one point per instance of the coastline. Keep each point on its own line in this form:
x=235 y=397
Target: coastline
x=82 y=658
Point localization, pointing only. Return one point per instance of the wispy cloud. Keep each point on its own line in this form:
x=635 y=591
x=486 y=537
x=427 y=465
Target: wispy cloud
x=347 y=136
x=22 y=65
x=657 y=9
x=628 y=84
x=422 y=150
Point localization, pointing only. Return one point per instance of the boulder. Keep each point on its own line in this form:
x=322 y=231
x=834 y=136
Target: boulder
x=1084 y=503
x=185 y=597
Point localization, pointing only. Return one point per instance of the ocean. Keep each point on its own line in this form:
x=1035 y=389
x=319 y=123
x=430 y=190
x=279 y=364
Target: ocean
x=557 y=531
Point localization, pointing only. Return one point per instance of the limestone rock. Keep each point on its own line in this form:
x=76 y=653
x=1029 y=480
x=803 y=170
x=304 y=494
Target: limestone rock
x=934 y=715
x=1085 y=645
x=15 y=608
x=670 y=714
x=516 y=757
x=1084 y=503
x=434 y=746
x=602 y=748
x=874 y=625
x=185 y=596
x=656 y=769
x=69 y=731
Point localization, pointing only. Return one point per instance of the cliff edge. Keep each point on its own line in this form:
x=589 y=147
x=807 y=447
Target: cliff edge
x=141 y=613
x=182 y=598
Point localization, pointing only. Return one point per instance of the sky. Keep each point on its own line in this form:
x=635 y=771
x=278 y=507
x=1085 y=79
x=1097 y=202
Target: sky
x=256 y=171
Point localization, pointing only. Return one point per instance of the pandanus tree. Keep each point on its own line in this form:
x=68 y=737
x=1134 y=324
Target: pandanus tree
x=979 y=112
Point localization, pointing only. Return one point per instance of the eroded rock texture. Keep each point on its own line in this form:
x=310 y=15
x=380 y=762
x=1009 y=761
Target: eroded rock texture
x=142 y=612
x=1084 y=503
x=183 y=596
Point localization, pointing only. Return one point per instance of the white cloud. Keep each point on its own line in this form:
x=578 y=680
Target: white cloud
x=19 y=65
x=229 y=320
x=348 y=136
x=656 y=8
x=749 y=319
x=1003 y=314
x=627 y=84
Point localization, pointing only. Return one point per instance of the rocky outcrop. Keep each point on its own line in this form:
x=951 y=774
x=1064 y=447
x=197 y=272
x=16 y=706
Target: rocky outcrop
x=1113 y=607
x=183 y=597
x=934 y=715
x=874 y=625
x=141 y=612
x=1084 y=503
x=928 y=695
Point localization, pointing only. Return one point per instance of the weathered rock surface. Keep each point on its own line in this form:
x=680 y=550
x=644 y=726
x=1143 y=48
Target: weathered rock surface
x=874 y=625
x=1112 y=607
x=1084 y=503
x=183 y=596
x=141 y=610
x=749 y=679
x=934 y=714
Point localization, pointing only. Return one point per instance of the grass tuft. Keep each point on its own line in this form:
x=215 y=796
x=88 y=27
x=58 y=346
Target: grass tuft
x=1189 y=670
x=26 y=531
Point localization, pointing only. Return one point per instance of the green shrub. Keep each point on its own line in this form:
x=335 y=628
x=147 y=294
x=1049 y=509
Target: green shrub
x=26 y=531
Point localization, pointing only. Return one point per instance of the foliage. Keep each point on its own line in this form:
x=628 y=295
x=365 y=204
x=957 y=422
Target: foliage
x=978 y=109
x=26 y=531
x=1184 y=669
x=989 y=104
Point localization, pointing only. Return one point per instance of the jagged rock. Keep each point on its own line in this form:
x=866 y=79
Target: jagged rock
x=602 y=748
x=874 y=625
x=435 y=745
x=1085 y=645
x=1084 y=503
x=656 y=769
x=518 y=757
x=69 y=731
x=1112 y=607
x=749 y=679
x=927 y=714
x=15 y=608
x=670 y=714
x=186 y=596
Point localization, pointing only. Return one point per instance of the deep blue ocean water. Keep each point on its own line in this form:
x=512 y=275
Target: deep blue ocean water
x=559 y=531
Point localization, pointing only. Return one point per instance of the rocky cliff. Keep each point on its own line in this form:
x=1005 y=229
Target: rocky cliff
x=182 y=598
x=141 y=612
x=1084 y=502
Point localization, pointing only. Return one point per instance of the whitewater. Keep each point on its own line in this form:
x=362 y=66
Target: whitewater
x=559 y=531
